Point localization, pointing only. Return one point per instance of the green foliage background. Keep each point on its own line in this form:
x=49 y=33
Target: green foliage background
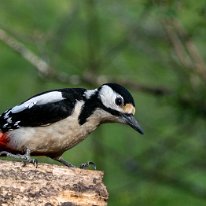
x=157 y=45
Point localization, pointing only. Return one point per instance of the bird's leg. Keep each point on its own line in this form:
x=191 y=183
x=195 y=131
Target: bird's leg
x=64 y=162
x=82 y=166
x=26 y=157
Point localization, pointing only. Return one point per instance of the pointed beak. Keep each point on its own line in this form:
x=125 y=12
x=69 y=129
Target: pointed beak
x=130 y=120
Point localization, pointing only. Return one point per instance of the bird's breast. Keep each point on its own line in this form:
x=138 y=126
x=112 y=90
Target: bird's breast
x=54 y=138
x=50 y=139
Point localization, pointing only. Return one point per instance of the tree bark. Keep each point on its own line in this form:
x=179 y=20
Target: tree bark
x=50 y=185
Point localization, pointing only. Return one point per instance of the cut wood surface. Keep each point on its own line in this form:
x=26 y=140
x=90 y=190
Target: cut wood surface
x=50 y=185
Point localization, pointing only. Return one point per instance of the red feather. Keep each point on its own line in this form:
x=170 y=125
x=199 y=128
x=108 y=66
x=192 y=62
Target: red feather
x=3 y=139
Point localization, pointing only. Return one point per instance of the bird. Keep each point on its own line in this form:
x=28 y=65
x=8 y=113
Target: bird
x=52 y=122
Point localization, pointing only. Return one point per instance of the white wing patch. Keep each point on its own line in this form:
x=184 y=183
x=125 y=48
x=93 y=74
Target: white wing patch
x=46 y=98
x=89 y=93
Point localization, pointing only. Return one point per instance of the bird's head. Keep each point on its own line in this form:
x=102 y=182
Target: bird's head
x=117 y=101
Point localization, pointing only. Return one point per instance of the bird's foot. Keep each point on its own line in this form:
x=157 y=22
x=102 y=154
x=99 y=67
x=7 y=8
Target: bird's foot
x=26 y=158
x=82 y=166
x=86 y=165
x=30 y=160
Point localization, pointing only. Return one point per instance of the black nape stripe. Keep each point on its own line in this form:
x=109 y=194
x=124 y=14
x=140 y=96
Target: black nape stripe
x=91 y=105
x=88 y=108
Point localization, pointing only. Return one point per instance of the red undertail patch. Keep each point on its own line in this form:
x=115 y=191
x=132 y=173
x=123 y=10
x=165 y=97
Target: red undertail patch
x=3 y=139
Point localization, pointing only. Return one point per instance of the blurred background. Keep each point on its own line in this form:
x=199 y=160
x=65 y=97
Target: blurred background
x=156 y=49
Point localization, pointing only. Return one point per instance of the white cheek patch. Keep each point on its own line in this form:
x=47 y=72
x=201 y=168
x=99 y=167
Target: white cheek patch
x=108 y=96
x=49 y=97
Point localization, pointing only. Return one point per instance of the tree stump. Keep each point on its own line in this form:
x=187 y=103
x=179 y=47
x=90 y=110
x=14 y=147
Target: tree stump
x=50 y=185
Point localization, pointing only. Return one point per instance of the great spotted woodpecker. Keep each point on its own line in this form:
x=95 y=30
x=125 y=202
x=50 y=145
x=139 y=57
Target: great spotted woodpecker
x=54 y=121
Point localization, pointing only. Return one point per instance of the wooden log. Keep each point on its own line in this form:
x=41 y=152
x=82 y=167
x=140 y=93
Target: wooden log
x=50 y=185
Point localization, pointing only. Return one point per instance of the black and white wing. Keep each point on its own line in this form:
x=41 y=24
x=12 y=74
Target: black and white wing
x=41 y=110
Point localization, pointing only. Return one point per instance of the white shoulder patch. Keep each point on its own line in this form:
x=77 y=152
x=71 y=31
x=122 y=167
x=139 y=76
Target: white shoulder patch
x=46 y=98
x=89 y=93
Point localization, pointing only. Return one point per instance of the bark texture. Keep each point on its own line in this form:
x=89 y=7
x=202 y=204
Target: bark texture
x=50 y=185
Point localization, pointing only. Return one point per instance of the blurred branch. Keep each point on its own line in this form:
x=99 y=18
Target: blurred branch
x=27 y=54
x=194 y=65
x=93 y=36
x=64 y=27
x=192 y=49
x=177 y=44
x=44 y=69
x=185 y=49
x=48 y=72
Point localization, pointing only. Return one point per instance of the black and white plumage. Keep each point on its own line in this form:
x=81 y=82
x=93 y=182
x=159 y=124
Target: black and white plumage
x=42 y=109
x=54 y=121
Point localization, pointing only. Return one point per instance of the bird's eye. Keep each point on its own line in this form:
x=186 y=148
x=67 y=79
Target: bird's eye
x=119 y=101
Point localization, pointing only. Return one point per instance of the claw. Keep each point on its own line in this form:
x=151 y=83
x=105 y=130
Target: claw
x=35 y=162
x=26 y=158
x=87 y=165
x=82 y=166
x=24 y=164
